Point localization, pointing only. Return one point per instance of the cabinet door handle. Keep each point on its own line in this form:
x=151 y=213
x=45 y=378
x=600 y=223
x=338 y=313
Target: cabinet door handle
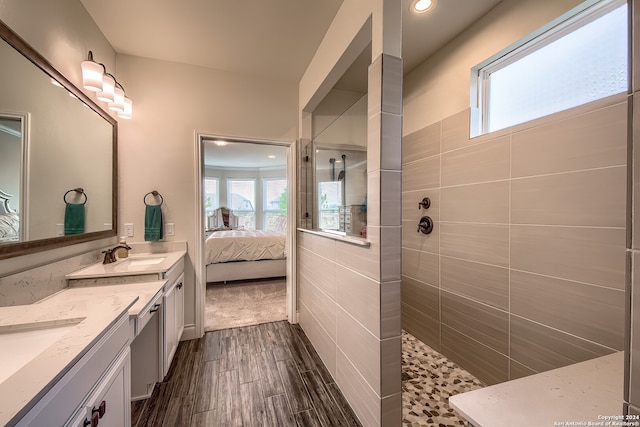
x=180 y=285
x=95 y=419
x=154 y=308
x=102 y=409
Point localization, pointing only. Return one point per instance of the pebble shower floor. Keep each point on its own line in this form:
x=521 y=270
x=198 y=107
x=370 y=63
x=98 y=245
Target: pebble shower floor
x=428 y=380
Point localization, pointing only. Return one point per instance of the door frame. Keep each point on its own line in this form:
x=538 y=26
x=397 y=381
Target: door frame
x=199 y=264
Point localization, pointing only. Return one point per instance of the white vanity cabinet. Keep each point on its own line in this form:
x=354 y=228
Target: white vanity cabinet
x=173 y=303
x=99 y=378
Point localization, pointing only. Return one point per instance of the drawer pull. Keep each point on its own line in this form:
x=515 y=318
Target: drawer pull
x=155 y=308
x=180 y=285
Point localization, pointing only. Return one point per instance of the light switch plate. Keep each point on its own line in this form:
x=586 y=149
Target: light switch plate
x=128 y=230
x=170 y=229
x=59 y=230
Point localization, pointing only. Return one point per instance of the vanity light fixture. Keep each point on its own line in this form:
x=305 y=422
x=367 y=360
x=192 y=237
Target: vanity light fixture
x=422 y=6
x=96 y=79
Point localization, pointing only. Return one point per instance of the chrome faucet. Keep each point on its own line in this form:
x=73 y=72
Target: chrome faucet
x=110 y=254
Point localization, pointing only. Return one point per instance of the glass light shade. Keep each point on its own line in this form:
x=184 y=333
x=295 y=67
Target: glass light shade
x=128 y=109
x=92 y=73
x=108 y=87
x=118 y=100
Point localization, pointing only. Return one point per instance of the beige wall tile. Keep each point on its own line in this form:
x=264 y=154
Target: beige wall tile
x=390 y=310
x=374 y=204
x=636 y=167
x=361 y=348
x=411 y=200
x=392 y=69
x=421 y=296
x=487 y=243
x=487 y=203
x=422 y=266
x=421 y=326
x=588 y=198
x=481 y=282
x=320 y=306
x=590 y=255
x=318 y=270
x=488 y=161
x=322 y=342
x=591 y=140
x=361 y=397
x=590 y=312
x=542 y=348
x=319 y=245
x=360 y=297
x=518 y=370
x=413 y=239
x=390 y=198
x=390 y=254
x=455 y=131
x=486 y=364
x=481 y=322
x=365 y=260
x=421 y=144
x=421 y=174
x=392 y=410
x=391 y=141
x=391 y=366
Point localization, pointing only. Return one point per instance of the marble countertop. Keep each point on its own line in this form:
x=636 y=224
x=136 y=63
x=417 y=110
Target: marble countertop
x=590 y=391
x=96 y=308
x=24 y=387
x=124 y=267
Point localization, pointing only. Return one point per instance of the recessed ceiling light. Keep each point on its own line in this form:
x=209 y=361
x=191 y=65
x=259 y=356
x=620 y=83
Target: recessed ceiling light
x=220 y=143
x=422 y=6
x=271 y=156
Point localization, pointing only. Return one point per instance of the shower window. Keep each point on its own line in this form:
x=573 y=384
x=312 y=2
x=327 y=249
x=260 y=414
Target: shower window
x=338 y=158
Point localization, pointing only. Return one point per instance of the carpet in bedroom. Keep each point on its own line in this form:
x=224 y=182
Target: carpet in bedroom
x=244 y=303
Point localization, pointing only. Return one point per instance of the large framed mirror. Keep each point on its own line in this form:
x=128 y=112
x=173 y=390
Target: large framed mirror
x=58 y=151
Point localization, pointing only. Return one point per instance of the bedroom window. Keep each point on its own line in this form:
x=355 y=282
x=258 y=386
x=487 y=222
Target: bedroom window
x=242 y=200
x=578 y=58
x=274 y=203
x=211 y=195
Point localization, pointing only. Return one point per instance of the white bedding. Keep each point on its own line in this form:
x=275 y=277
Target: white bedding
x=9 y=227
x=244 y=245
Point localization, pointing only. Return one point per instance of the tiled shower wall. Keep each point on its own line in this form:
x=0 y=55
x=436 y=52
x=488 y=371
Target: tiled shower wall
x=525 y=268
x=349 y=294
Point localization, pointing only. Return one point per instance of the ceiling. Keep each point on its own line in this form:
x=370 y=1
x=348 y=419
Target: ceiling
x=272 y=38
x=275 y=38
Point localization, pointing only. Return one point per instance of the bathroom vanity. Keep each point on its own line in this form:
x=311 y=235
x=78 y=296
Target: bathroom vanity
x=157 y=331
x=64 y=359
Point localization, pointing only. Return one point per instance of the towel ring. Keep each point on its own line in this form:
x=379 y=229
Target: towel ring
x=77 y=190
x=155 y=194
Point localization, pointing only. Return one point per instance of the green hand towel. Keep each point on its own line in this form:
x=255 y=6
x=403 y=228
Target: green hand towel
x=153 y=223
x=73 y=219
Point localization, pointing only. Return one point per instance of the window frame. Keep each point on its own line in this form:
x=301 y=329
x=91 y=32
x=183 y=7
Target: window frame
x=265 y=209
x=574 y=19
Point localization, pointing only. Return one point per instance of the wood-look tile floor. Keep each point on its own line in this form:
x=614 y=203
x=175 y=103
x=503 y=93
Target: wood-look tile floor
x=261 y=375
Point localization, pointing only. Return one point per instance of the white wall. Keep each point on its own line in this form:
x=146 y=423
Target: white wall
x=157 y=147
x=440 y=86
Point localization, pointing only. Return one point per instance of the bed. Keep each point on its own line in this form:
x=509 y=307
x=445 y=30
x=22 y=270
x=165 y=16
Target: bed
x=9 y=220
x=245 y=254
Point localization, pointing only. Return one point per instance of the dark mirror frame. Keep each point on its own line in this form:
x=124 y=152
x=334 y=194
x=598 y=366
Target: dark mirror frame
x=23 y=248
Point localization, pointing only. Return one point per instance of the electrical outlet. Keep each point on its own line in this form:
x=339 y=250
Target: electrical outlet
x=59 y=230
x=107 y=226
x=128 y=230
x=170 y=229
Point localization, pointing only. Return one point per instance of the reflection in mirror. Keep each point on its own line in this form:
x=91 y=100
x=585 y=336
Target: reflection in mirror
x=71 y=144
x=13 y=148
x=339 y=156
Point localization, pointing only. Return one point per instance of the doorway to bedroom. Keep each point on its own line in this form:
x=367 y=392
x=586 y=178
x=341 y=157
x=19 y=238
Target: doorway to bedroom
x=245 y=188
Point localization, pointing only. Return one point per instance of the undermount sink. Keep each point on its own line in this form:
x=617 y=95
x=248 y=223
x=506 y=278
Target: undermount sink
x=27 y=341
x=145 y=261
